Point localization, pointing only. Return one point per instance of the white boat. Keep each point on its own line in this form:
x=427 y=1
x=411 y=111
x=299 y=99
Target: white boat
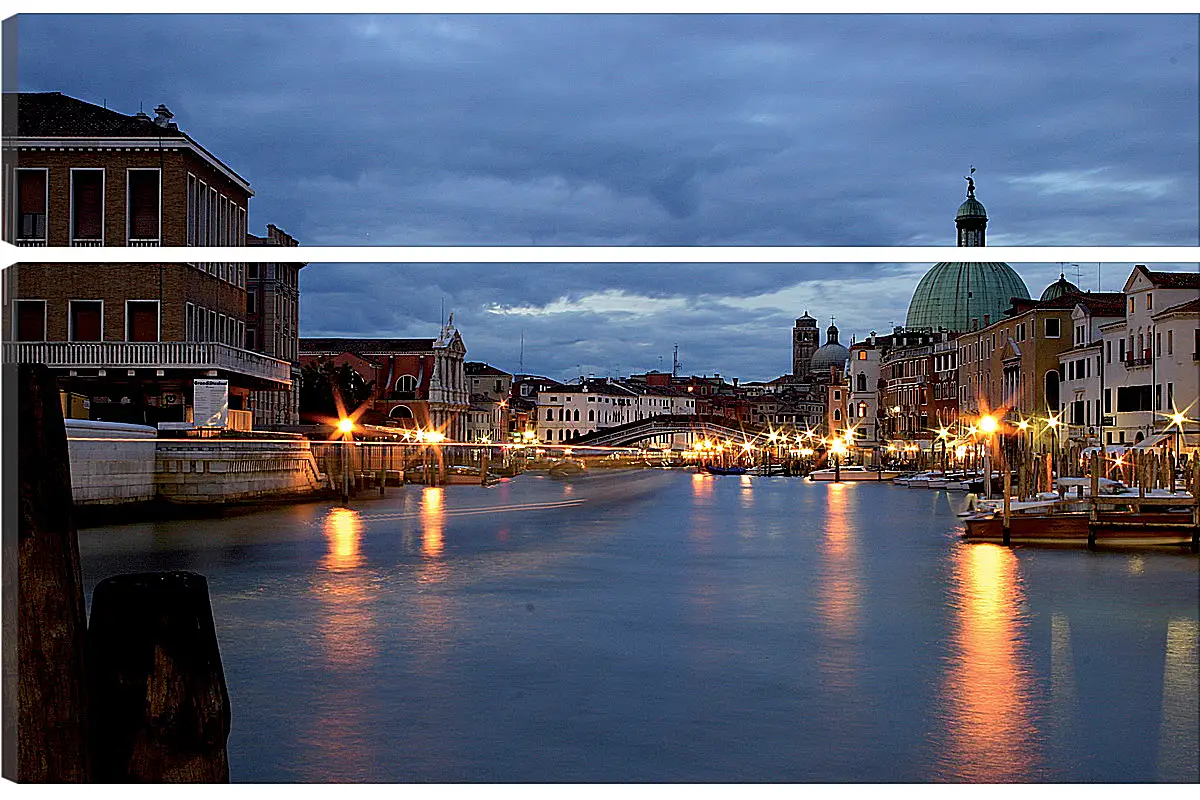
x=853 y=473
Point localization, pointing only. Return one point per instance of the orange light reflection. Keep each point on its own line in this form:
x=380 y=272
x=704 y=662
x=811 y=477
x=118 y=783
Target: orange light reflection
x=990 y=735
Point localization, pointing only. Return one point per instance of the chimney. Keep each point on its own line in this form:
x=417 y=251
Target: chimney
x=163 y=117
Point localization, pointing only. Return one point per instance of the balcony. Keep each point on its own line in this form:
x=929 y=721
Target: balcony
x=30 y=242
x=87 y=242
x=150 y=355
x=1133 y=363
x=145 y=242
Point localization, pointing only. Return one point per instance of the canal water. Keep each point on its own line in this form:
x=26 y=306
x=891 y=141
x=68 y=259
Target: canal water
x=666 y=626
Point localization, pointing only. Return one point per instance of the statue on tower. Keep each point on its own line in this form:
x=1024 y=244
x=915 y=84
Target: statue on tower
x=970 y=183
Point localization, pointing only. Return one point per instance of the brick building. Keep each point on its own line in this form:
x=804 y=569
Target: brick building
x=419 y=383
x=273 y=326
x=129 y=337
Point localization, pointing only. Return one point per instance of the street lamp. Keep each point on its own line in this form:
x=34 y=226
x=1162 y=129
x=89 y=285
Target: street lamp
x=345 y=426
x=988 y=426
x=837 y=450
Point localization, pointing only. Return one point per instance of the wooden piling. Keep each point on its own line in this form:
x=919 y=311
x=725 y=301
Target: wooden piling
x=1007 y=509
x=160 y=706
x=45 y=652
x=483 y=467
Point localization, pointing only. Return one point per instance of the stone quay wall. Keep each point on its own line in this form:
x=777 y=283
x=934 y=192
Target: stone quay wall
x=112 y=463
x=115 y=464
x=221 y=471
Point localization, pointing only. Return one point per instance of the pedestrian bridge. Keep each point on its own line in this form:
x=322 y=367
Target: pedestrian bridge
x=696 y=426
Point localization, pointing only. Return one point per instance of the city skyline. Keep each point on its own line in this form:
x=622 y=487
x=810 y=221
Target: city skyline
x=621 y=319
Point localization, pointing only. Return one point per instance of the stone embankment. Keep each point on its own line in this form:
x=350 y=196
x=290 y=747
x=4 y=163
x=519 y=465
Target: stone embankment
x=118 y=465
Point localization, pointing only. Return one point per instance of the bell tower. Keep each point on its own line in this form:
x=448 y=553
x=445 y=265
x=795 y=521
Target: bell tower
x=804 y=343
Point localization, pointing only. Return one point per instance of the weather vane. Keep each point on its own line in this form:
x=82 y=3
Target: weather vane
x=970 y=183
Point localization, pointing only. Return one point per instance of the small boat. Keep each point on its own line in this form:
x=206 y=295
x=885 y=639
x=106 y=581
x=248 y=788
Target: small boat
x=715 y=470
x=567 y=468
x=853 y=473
x=1112 y=529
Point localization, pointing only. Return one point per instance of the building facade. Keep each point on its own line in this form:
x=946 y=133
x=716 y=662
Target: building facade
x=1150 y=357
x=418 y=383
x=273 y=326
x=130 y=338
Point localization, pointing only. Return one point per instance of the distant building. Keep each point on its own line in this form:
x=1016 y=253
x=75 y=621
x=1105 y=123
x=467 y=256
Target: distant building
x=419 y=383
x=273 y=326
x=918 y=381
x=566 y=412
x=490 y=390
x=863 y=383
x=1152 y=359
x=131 y=338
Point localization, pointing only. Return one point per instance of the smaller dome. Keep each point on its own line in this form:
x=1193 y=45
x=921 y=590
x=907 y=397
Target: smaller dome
x=1059 y=288
x=971 y=208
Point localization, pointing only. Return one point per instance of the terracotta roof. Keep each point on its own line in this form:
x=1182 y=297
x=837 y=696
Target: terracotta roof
x=374 y=346
x=1175 y=280
x=54 y=114
x=1103 y=304
x=481 y=368
x=1190 y=307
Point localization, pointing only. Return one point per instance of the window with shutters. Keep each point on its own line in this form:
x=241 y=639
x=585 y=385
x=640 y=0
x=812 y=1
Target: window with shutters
x=141 y=320
x=86 y=320
x=143 y=206
x=31 y=205
x=87 y=207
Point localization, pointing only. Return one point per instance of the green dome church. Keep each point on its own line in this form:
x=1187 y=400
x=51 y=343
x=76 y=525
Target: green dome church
x=959 y=296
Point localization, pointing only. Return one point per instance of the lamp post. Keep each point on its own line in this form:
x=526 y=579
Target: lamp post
x=345 y=426
x=1052 y=423
x=988 y=426
x=837 y=449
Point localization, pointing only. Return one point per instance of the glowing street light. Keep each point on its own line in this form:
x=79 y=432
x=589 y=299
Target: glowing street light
x=345 y=425
x=988 y=424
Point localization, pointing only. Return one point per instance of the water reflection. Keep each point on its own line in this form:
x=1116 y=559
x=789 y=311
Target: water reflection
x=990 y=733
x=702 y=486
x=345 y=629
x=839 y=594
x=433 y=520
x=1179 y=737
x=343 y=531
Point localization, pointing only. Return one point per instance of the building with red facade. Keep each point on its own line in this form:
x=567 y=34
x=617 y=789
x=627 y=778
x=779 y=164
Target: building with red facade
x=418 y=383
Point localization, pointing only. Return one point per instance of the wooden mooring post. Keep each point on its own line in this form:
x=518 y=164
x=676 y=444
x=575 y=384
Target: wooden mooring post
x=140 y=696
x=45 y=741
x=160 y=709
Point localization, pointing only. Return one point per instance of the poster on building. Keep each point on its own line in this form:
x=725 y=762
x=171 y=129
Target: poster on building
x=210 y=403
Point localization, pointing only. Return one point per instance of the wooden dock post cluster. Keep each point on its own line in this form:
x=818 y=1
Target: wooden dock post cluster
x=137 y=696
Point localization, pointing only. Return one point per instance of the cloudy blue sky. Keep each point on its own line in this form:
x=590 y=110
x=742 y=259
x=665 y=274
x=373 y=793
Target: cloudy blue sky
x=659 y=130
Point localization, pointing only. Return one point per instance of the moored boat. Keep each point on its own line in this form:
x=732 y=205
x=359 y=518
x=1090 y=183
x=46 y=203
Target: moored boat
x=567 y=468
x=712 y=469
x=852 y=473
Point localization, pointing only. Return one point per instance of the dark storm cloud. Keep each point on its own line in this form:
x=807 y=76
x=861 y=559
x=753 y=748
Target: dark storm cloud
x=667 y=129
x=658 y=130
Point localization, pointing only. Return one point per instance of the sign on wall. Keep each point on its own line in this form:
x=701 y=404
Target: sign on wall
x=210 y=402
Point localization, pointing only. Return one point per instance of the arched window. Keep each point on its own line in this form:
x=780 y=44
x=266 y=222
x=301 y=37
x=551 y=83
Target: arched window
x=862 y=382
x=837 y=414
x=576 y=417
x=549 y=415
x=1052 y=380
x=862 y=409
x=400 y=412
x=406 y=383
x=591 y=415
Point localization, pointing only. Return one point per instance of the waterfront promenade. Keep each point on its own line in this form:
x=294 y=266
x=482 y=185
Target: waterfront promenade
x=670 y=626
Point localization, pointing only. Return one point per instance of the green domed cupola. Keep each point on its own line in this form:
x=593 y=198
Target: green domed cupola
x=962 y=296
x=1059 y=288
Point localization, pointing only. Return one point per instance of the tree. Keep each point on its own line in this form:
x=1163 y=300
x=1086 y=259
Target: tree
x=323 y=383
